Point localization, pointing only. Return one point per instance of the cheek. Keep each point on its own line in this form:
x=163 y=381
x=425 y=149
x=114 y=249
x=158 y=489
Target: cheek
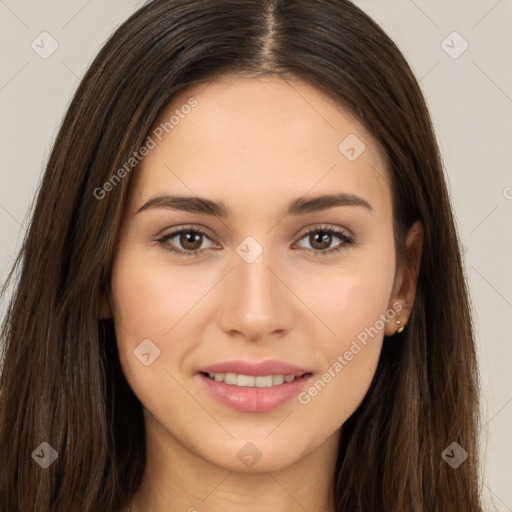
x=352 y=304
x=350 y=298
x=153 y=304
x=151 y=301
x=150 y=295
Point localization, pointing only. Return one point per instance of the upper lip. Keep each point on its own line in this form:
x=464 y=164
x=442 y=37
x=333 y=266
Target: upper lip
x=267 y=367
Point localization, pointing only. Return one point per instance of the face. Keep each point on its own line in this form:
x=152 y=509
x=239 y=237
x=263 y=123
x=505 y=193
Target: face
x=255 y=333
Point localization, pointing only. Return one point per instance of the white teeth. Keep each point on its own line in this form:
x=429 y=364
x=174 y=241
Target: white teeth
x=277 y=379
x=245 y=380
x=230 y=378
x=263 y=381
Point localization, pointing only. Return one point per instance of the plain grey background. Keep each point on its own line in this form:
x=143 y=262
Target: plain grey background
x=459 y=50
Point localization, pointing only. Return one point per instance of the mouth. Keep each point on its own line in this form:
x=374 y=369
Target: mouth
x=254 y=387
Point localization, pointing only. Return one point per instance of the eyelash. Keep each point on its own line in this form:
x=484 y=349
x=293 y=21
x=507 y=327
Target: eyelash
x=346 y=240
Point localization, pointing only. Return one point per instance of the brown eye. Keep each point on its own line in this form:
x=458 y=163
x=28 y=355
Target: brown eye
x=185 y=241
x=321 y=239
x=190 y=240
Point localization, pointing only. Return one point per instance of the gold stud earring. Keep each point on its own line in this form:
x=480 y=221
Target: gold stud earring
x=401 y=328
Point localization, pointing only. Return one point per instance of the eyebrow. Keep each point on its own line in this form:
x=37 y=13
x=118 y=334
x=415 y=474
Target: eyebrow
x=300 y=206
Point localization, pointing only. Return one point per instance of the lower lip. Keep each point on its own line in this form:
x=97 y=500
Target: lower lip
x=252 y=399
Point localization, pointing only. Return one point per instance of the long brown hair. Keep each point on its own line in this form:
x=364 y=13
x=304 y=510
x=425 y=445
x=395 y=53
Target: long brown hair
x=61 y=381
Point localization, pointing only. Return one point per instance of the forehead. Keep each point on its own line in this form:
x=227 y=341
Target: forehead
x=260 y=140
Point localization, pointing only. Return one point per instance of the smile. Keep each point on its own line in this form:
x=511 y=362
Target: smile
x=258 y=381
x=253 y=393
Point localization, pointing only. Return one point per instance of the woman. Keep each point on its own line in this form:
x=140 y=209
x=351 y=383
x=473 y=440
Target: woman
x=315 y=353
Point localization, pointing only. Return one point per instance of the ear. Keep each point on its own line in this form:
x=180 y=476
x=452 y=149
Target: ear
x=105 y=309
x=406 y=278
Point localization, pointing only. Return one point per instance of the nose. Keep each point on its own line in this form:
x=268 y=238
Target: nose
x=257 y=301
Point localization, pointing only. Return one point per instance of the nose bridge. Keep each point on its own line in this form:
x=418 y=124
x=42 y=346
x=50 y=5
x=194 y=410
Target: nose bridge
x=257 y=282
x=256 y=301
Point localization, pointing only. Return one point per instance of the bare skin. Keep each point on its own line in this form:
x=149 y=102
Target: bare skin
x=256 y=145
